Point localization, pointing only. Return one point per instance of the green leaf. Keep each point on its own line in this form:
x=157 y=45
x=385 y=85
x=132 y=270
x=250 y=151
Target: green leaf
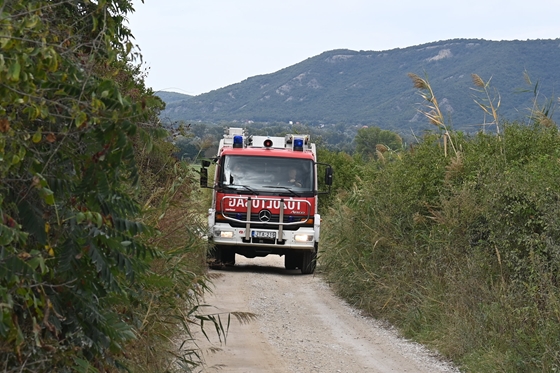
x=38 y=262
x=95 y=23
x=6 y=235
x=80 y=119
x=37 y=136
x=83 y=366
x=98 y=220
x=31 y=22
x=19 y=336
x=48 y=196
x=22 y=152
x=14 y=71
x=80 y=217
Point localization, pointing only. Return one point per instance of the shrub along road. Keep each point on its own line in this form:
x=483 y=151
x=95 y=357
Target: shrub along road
x=302 y=327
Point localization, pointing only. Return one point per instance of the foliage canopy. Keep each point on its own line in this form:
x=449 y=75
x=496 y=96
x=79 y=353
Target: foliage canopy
x=73 y=108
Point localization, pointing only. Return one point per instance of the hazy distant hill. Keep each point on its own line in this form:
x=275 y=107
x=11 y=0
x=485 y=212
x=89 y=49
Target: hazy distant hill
x=171 y=97
x=372 y=88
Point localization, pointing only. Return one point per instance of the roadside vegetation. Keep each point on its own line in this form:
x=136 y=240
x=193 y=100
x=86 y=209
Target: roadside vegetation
x=102 y=264
x=456 y=240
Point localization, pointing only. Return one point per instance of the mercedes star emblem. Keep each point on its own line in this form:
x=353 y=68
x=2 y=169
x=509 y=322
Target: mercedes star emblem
x=265 y=216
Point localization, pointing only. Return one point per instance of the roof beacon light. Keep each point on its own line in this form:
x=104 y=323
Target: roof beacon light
x=237 y=141
x=298 y=144
x=267 y=143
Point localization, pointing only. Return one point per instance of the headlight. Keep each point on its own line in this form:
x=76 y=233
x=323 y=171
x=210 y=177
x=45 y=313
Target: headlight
x=303 y=237
x=223 y=234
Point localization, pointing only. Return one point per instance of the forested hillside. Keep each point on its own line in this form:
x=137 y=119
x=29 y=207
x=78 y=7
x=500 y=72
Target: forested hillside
x=372 y=88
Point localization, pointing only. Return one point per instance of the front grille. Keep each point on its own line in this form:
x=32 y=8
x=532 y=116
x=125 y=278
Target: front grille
x=256 y=223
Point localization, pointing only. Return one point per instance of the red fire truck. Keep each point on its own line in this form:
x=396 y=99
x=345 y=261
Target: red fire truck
x=265 y=195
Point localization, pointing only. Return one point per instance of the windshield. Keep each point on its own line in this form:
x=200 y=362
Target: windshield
x=271 y=174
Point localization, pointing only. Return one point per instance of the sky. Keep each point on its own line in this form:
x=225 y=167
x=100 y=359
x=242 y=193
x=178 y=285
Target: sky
x=196 y=46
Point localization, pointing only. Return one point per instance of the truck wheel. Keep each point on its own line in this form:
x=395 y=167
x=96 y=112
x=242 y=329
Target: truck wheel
x=213 y=255
x=291 y=260
x=218 y=257
x=227 y=256
x=309 y=261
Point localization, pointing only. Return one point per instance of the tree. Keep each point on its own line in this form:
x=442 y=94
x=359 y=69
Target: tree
x=72 y=111
x=368 y=139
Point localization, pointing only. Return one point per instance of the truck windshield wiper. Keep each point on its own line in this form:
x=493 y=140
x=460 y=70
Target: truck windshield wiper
x=283 y=187
x=246 y=187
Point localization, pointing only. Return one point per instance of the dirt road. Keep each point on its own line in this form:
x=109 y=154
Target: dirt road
x=302 y=327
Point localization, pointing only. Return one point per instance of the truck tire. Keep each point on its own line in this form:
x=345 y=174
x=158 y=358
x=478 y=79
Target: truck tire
x=213 y=256
x=227 y=256
x=291 y=260
x=218 y=257
x=309 y=261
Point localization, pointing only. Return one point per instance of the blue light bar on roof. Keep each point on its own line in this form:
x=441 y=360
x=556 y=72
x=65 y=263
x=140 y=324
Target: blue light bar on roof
x=298 y=144
x=237 y=141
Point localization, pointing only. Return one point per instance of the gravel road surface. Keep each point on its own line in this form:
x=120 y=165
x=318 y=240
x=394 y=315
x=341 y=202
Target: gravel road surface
x=302 y=327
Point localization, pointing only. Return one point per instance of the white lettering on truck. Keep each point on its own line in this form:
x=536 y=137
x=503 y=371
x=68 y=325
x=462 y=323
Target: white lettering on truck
x=265 y=204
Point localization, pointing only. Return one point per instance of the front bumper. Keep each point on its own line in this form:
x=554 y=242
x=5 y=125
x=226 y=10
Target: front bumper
x=303 y=238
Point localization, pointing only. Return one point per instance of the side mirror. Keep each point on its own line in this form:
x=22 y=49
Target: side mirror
x=204 y=177
x=204 y=173
x=328 y=176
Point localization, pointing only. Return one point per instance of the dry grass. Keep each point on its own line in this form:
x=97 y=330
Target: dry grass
x=431 y=108
x=488 y=104
x=543 y=119
x=418 y=82
x=455 y=167
x=381 y=148
x=541 y=114
x=477 y=81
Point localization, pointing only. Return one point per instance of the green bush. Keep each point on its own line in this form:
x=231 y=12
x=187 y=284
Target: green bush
x=460 y=252
x=96 y=231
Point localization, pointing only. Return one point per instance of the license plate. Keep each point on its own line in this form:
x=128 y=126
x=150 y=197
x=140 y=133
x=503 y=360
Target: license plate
x=263 y=234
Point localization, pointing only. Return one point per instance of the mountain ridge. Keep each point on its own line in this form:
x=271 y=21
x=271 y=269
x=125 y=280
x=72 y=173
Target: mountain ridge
x=372 y=87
